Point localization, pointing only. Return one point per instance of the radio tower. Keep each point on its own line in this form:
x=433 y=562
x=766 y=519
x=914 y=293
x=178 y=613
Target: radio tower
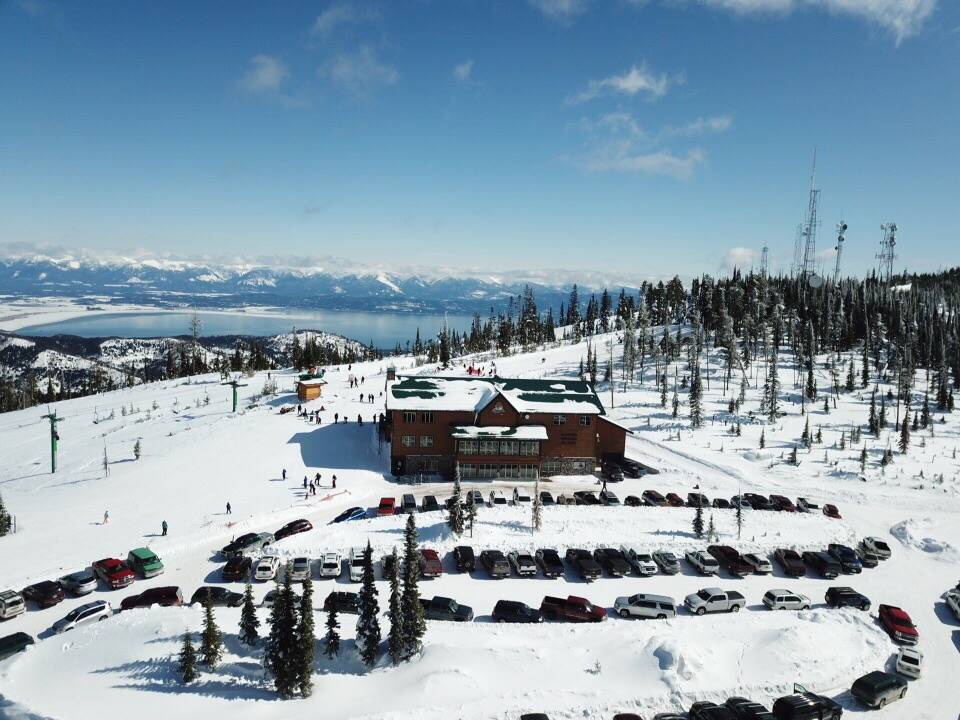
x=795 y=268
x=810 y=225
x=841 y=229
x=764 y=259
x=886 y=254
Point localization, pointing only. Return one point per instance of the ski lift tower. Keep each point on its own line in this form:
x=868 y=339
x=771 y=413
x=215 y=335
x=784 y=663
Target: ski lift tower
x=887 y=252
x=841 y=229
x=234 y=384
x=54 y=437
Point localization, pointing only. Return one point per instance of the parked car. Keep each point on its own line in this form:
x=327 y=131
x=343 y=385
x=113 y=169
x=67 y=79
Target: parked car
x=571 y=609
x=497 y=498
x=730 y=560
x=721 y=503
x=738 y=501
x=513 y=611
x=839 y=596
x=612 y=561
x=387 y=506
x=583 y=563
x=293 y=527
x=495 y=564
x=847 y=557
x=831 y=511
x=387 y=564
x=702 y=562
x=758 y=502
x=342 y=602
x=674 y=500
x=632 y=501
x=443 y=608
x=644 y=605
x=550 y=563
x=246 y=544
x=113 y=572
x=521 y=496
x=952 y=599
x=585 y=497
x=653 y=498
x=909 y=661
x=806 y=505
x=219 y=596
x=546 y=499
x=523 y=564
x=877 y=688
x=706 y=710
x=782 y=503
x=779 y=599
x=761 y=566
x=609 y=497
x=11 y=604
x=641 y=562
x=667 y=562
x=805 y=705
x=898 y=624
x=877 y=546
x=408 y=504
x=355 y=564
x=429 y=503
x=237 y=569
x=697 y=499
x=166 y=596
x=868 y=558
x=630 y=468
x=822 y=563
x=464 y=558
x=144 y=562
x=714 y=600
x=353 y=513
x=271 y=597
x=300 y=569
x=266 y=568
x=430 y=565
x=744 y=709
x=330 y=565
x=475 y=497
x=44 y=594
x=10 y=645
x=90 y=612
x=790 y=562
x=79 y=583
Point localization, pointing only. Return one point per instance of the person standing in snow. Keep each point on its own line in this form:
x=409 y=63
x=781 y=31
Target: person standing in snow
x=229 y=510
x=163 y=528
x=359 y=419
x=334 y=482
x=316 y=479
x=283 y=474
x=304 y=482
x=336 y=418
x=106 y=516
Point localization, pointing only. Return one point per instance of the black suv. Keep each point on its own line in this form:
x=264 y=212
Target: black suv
x=513 y=611
x=846 y=597
x=790 y=561
x=343 y=602
x=823 y=563
x=612 y=561
x=744 y=709
x=758 y=502
x=464 y=558
x=581 y=560
x=847 y=557
x=706 y=710
x=550 y=563
x=806 y=706
x=495 y=563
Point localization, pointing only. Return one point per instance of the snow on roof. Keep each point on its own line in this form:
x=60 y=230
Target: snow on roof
x=474 y=393
x=620 y=425
x=312 y=381
x=521 y=432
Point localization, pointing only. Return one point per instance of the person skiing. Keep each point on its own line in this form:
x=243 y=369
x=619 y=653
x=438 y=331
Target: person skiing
x=304 y=482
x=163 y=528
x=316 y=479
x=284 y=474
x=310 y=491
x=106 y=516
x=229 y=509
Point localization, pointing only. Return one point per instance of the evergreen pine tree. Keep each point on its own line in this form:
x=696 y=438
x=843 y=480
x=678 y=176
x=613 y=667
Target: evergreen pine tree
x=187 y=664
x=793 y=455
x=863 y=458
x=696 y=395
x=805 y=437
x=249 y=622
x=872 y=424
x=536 y=510
x=395 y=643
x=211 y=639
x=368 y=622
x=455 y=509
x=136 y=449
x=925 y=412
x=905 y=433
x=6 y=521
x=698 y=521
x=331 y=641
x=819 y=435
x=663 y=390
x=411 y=610
x=882 y=415
x=739 y=517
x=851 y=376
x=676 y=402
x=763 y=439
x=826 y=404
x=280 y=652
x=712 y=530
x=306 y=641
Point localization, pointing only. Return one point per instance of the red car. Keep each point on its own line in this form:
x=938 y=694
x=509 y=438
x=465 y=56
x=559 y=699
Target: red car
x=45 y=594
x=782 y=503
x=387 y=506
x=896 y=622
x=168 y=596
x=674 y=500
x=831 y=512
x=113 y=572
x=430 y=565
x=292 y=528
x=237 y=568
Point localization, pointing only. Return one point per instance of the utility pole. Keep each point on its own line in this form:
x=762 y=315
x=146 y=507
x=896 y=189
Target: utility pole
x=54 y=438
x=234 y=384
x=610 y=345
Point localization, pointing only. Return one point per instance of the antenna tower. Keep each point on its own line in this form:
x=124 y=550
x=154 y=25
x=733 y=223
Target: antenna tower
x=810 y=225
x=841 y=229
x=887 y=252
x=764 y=261
x=795 y=268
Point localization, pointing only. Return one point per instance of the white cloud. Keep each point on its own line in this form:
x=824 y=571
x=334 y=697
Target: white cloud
x=563 y=11
x=463 y=71
x=700 y=126
x=266 y=74
x=625 y=157
x=739 y=257
x=341 y=13
x=359 y=73
x=633 y=81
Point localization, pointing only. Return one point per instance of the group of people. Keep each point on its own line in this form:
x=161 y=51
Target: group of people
x=354 y=382
x=310 y=486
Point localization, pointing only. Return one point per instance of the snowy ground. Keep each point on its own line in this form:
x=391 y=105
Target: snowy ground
x=196 y=457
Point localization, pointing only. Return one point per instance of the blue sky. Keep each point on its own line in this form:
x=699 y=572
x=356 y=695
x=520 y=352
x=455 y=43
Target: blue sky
x=644 y=137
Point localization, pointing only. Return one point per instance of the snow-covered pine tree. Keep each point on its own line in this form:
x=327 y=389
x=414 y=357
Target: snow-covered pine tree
x=395 y=642
x=763 y=439
x=851 y=382
x=187 y=662
x=904 y=442
x=536 y=509
x=211 y=639
x=712 y=535
x=331 y=641
x=455 y=509
x=368 y=622
x=696 y=396
x=698 y=521
x=136 y=449
x=925 y=412
x=6 y=521
x=863 y=458
x=249 y=622
x=279 y=656
x=306 y=640
x=882 y=415
x=411 y=610
x=739 y=517
x=675 y=402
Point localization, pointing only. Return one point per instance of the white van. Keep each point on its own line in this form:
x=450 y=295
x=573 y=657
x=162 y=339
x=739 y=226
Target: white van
x=11 y=604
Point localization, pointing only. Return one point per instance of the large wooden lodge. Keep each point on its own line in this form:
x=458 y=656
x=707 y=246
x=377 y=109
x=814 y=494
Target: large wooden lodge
x=498 y=427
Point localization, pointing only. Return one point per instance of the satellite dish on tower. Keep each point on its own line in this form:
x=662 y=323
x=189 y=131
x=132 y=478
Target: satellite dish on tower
x=815 y=281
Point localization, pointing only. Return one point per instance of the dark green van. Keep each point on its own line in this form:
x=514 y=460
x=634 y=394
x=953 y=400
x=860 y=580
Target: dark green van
x=144 y=562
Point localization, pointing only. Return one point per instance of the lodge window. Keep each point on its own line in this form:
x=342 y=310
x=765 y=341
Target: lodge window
x=426 y=441
x=509 y=447
x=426 y=417
x=408 y=440
x=468 y=447
x=489 y=447
x=585 y=421
x=509 y=471
x=409 y=416
x=468 y=470
x=559 y=419
x=529 y=448
x=429 y=464
x=552 y=466
x=498 y=409
x=528 y=472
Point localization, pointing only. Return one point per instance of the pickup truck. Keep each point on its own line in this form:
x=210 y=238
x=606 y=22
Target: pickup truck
x=582 y=561
x=571 y=609
x=731 y=560
x=246 y=544
x=704 y=564
x=714 y=600
x=113 y=572
x=442 y=608
x=495 y=564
